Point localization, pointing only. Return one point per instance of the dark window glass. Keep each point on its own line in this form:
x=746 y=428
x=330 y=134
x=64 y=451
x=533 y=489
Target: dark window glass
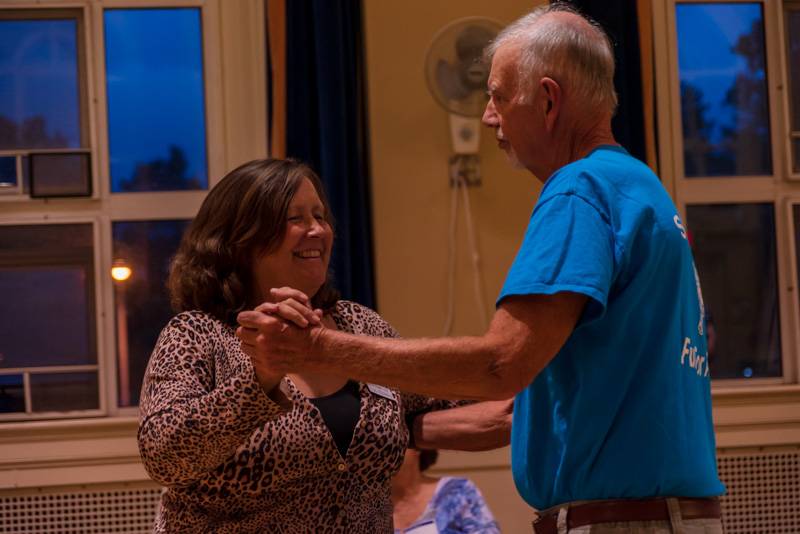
x=47 y=309
x=724 y=99
x=39 y=87
x=142 y=302
x=60 y=175
x=796 y=156
x=156 y=104
x=62 y=392
x=793 y=57
x=12 y=394
x=796 y=216
x=735 y=253
x=8 y=172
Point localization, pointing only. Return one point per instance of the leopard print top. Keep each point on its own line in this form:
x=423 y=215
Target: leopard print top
x=232 y=460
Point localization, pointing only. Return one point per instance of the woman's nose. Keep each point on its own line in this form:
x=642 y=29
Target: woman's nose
x=315 y=227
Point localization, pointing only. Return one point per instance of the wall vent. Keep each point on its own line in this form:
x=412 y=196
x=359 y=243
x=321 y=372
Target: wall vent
x=85 y=512
x=763 y=492
x=763 y=498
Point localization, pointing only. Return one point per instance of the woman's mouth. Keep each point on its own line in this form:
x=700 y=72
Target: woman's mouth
x=309 y=254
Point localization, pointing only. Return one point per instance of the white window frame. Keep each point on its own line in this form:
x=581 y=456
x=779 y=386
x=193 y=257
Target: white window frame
x=100 y=332
x=752 y=412
x=794 y=274
x=86 y=84
x=236 y=131
x=789 y=86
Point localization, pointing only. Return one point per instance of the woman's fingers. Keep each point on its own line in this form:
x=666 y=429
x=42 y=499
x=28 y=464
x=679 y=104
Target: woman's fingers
x=291 y=310
x=292 y=305
x=285 y=293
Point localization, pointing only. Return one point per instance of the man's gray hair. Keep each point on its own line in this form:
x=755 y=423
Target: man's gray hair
x=578 y=56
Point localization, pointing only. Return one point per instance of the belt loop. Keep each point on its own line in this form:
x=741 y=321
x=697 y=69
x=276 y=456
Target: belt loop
x=562 y=520
x=675 y=518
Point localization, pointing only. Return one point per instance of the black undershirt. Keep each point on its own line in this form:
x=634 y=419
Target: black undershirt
x=340 y=412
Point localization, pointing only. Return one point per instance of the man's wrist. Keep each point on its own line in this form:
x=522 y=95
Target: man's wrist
x=320 y=338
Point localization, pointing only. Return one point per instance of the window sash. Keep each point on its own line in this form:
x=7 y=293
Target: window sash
x=100 y=329
x=86 y=93
x=790 y=87
x=774 y=188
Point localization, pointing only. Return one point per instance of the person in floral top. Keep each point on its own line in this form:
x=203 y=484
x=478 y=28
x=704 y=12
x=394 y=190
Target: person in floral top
x=448 y=505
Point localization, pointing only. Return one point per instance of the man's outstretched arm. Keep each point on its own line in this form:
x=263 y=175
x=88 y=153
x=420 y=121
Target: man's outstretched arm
x=525 y=333
x=476 y=427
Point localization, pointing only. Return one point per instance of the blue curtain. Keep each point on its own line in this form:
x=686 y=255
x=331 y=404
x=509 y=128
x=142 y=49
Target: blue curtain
x=326 y=126
x=619 y=19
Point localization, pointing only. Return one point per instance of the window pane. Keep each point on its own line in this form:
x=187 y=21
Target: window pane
x=796 y=215
x=61 y=392
x=47 y=311
x=156 y=104
x=39 y=91
x=724 y=99
x=734 y=248
x=142 y=302
x=8 y=172
x=796 y=154
x=793 y=56
x=12 y=394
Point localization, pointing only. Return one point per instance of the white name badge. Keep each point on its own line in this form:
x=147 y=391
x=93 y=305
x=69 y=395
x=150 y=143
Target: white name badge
x=428 y=527
x=381 y=391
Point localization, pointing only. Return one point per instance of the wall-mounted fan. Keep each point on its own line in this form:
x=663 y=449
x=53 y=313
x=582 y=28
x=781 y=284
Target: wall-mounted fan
x=456 y=76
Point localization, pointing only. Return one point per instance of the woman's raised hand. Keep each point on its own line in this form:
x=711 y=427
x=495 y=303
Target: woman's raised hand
x=291 y=305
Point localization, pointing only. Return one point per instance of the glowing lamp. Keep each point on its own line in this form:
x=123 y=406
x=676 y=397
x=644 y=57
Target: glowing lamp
x=120 y=271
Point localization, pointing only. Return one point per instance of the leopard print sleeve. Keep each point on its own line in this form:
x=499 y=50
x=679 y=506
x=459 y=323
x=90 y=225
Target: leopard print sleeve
x=200 y=401
x=365 y=321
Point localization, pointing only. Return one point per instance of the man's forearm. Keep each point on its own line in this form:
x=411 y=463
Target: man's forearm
x=477 y=427
x=454 y=368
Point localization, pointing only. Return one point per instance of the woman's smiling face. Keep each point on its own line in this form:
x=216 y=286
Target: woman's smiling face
x=301 y=258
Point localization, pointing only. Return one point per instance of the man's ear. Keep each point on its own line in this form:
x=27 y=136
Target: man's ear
x=552 y=104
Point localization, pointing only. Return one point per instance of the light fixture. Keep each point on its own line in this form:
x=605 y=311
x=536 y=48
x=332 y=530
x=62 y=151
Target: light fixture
x=120 y=271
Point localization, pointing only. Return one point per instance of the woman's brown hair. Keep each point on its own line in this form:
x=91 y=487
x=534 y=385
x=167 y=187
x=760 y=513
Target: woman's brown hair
x=243 y=214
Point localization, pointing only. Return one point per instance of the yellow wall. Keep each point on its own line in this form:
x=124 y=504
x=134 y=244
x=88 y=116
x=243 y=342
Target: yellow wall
x=410 y=146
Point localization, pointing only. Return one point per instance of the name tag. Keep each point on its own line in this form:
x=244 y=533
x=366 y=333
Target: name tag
x=428 y=527
x=381 y=391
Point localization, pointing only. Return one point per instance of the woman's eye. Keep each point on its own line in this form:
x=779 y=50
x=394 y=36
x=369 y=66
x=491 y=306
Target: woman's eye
x=319 y=217
x=296 y=218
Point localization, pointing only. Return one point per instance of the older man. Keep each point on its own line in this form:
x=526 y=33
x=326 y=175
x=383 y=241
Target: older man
x=599 y=328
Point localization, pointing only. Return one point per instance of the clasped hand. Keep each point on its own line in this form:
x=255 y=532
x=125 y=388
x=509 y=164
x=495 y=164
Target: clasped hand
x=278 y=335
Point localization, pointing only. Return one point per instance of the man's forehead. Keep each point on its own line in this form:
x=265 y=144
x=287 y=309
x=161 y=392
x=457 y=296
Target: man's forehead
x=504 y=63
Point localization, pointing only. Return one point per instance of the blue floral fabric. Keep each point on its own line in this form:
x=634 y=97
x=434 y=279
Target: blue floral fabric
x=458 y=508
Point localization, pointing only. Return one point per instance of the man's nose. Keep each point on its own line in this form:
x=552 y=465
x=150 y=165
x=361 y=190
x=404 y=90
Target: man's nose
x=490 y=115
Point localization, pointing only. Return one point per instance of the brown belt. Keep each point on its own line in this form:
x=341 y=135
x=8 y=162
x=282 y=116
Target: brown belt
x=579 y=515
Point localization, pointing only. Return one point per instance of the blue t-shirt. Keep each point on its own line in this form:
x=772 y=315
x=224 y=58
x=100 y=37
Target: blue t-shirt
x=624 y=409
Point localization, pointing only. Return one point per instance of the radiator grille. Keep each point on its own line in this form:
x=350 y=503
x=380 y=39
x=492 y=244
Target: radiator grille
x=763 y=492
x=88 y=512
x=763 y=498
